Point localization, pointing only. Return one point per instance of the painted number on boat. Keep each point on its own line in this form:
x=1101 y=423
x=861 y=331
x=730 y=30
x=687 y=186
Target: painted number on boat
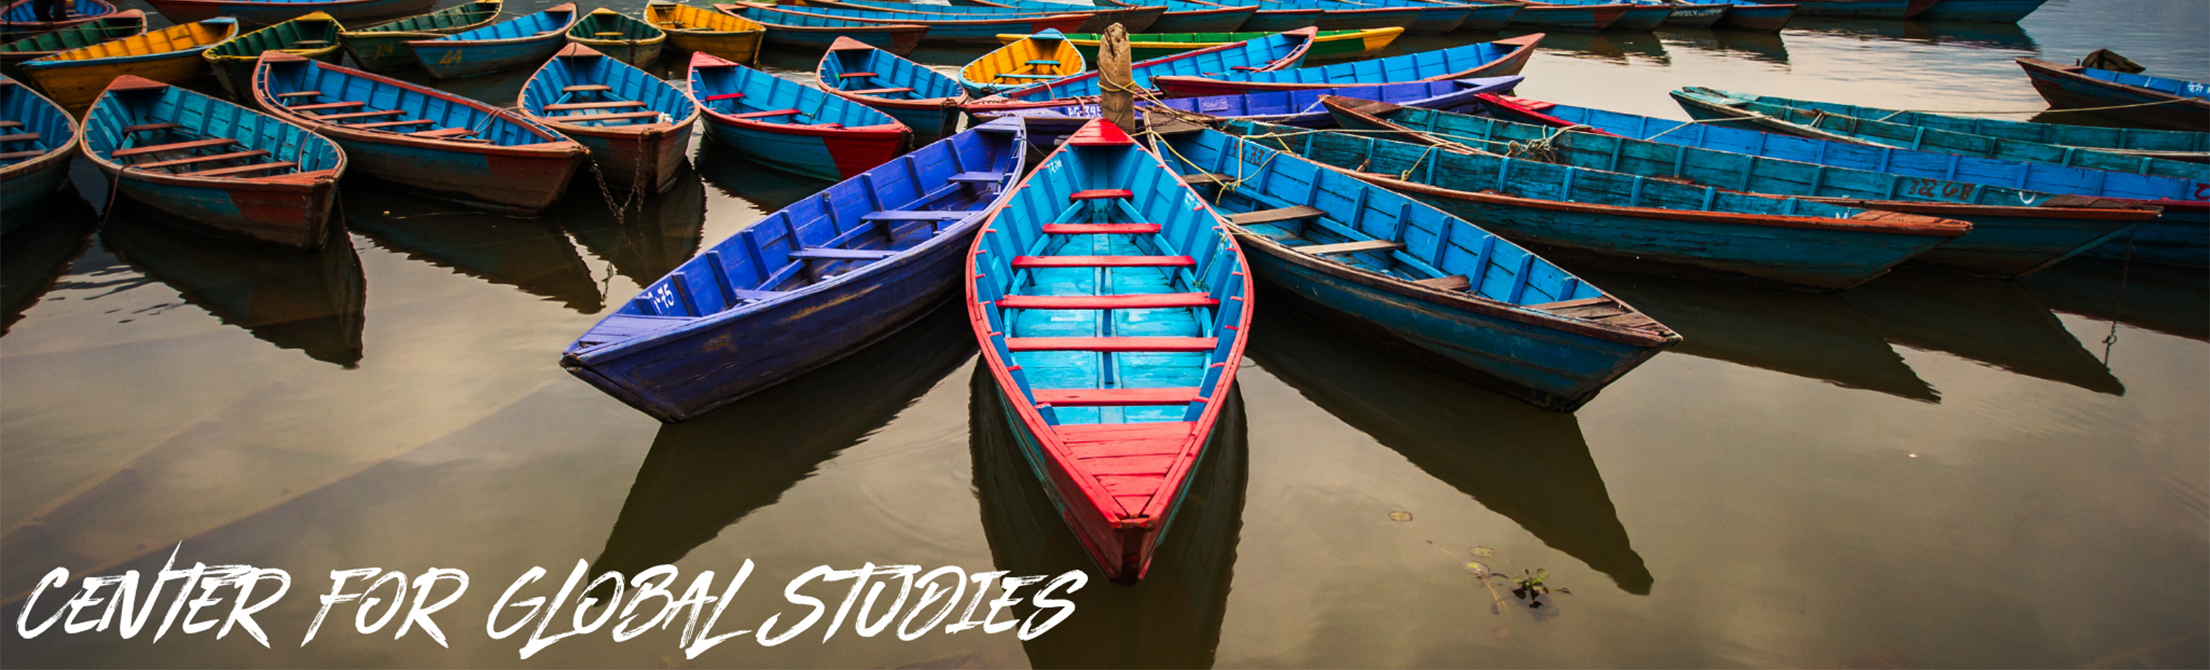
x=2202 y=191
x=663 y=300
x=1934 y=188
x=449 y=58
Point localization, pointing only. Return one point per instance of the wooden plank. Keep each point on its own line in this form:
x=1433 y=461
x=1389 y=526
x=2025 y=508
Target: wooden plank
x=360 y=115
x=742 y=294
x=762 y=115
x=880 y=91
x=328 y=105
x=257 y=153
x=978 y=177
x=173 y=146
x=1100 y=228
x=1080 y=433
x=1203 y=178
x=586 y=87
x=824 y=254
x=19 y=137
x=1102 y=194
x=902 y=215
x=297 y=94
x=623 y=326
x=593 y=105
x=604 y=117
x=1115 y=397
x=1349 y=247
x=17 y=155
x=243 y=169
x=1450 y=283
x=1152 y=466
x=390 y=124
x=1112 y=344
x=4 y=125
x=1276 y=215
x=140 y=128
x=1105 y=302
x=1020 y=262
x=855 y=75
x=1562 y=304
x=443 y=133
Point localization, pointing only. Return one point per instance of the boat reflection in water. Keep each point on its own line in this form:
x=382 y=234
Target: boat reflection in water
x=312 y=302
x=708 y=473
x=1169 y=620
x=35 y=256
x=1616 y=46
x=654 y=237
x=528 y=254
x=2164 y=298
x=1530 y=465
x=1989 y=321
x=1756 y=45
x=1814 y=336
x=737 y=177
x=2006 y=36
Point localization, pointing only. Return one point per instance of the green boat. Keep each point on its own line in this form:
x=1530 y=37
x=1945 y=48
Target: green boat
x=384 y=46
x=1330 y=45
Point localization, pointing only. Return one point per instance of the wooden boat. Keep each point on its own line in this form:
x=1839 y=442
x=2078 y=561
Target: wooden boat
x=1485 y=59
x=613 y=33
x=791 y=126
x=170 y=55
x=1767 y=17
x=20 y=19
x=1348 y=16
x=1856 y=9
x=696 y=30
x=1023 y=62
x=521 y=41
x=272 y=12
x=2145 y=101
x=1377 y=263
x=433 y=142
x=1637 y=14
x=1982 y=11
x=1328 y=45
x=1113 y=409
x=114 y=26
x=2178 y=145
x=1189 y=17
x=1290 y=108
x=804 y=286
x=1697 y=14
x=637 y=126
x=36 y=140
x=1436 y=18
x=1546 y=16
x=942 y=27
x=1132 y=18
x=312 y=36
x=1638 y=223
x=384 y=46
x=808 y=31
x=1274 y=52
x=221 y=167
x=921 y=98
x=2015 y=232
x=2164 y=240
x=1270 y=18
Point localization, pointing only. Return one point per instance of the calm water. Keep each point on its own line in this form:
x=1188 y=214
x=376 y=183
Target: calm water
x=1927 y=471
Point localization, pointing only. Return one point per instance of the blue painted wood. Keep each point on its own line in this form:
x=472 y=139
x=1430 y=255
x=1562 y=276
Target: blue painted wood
x=1281 y=50
x=1190 y=17
x=1498 y=58
x=1133 y=18
x=2134 y=99
x=1548 y=16
x=1635 y=222
x=2015 y=232
x=746 y=314
x=1353 y=16
x=31 y=168
x=1271 y=18
x=638 y=129
x=2174 y=144
x=1437 y=18
x=812 y=31
x=930 y=105
x=1985 y=11
x=1758 y=16
x=1862 y=9
x=1638 y=14
x=20 y=19
x=821 y=135
x=1698 y=14
x=945 y=27
x=1295 y=108
x=1520 y=324
x=523 y=41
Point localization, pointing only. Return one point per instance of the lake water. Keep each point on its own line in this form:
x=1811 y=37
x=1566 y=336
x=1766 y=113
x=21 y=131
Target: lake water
x=1927 y=471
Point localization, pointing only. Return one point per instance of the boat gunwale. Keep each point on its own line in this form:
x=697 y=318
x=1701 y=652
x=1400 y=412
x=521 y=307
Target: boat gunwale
x=1007 y=101
x=62 y=152
x=561 y=32
x=54 y=60
x=662 y=38
x=335 y=44
x=556 y=143
x=917 y=22
x=646 y=131
x=950 y=104
x=892 y=28
x=1523 y=49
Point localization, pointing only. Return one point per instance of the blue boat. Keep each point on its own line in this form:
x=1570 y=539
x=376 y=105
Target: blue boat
x=791 y=126
x=809 y=31
x=1982 y=11
x=36 y=140
x=1112 y=307
x=1132 y=18
x=1548 y=16
x=522 y=41
x=436 y=143
x=1352 y=16
x=970 y=28
x=806 y=285
x=1269 y=18
x=1192 y=17
x=1762 y=17
x=2139 y=99
x=1698 y=14
x=1273 y=52
x=1636 y=15
x=2015 y=232
x=1434 y=18
x=1499 y=58
x=637 y=126
x=922 y=99
x=1292 y=108
x=1857 y=9
x=1633 y=222
x=1417 y=280
x=221 y=168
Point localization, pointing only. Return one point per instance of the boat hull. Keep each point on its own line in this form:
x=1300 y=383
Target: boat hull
x=1765 y=18
x=1568 y=17
x=75 y=84
x=459 y=59
x=1696 y=16
x=900 y=40
x=2180 y=237
x=1641 y=17
x=1185 y=86
x=272 y=13
x=1860 y=9
x=639 y=54
x=1981 y=11
x=293 y=213
x=2065 y=89
x=514 y=180
x=236 y=74
x=1280 y=20
x=821 y=154
x=25 y=185
x=384 y=51
x=2010 y=242
x=1489 y=18
x=651 y=158
x=733 y=47
x=1222 y=20
x=1439 y=20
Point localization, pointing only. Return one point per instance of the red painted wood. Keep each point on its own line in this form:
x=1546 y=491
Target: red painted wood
x=1102 y=194
x=1115 y=397
x=1197 y=344
x=1100 y=228
x=1099 y=135
x=1020 y=262
x=1135 y=301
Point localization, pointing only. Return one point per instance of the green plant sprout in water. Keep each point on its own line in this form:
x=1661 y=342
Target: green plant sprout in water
x=1529 y=588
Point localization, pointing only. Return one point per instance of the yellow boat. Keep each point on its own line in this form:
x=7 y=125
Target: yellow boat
x=312 y=36
x=1329 y=45
x=171 y=55
x=1032 y=59
x=733 y=38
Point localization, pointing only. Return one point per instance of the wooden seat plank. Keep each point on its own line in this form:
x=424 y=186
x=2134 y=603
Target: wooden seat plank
x=18 y=155
x=328 y=105
x=359 y=115
x=1100 y=228
x=192 y=160
x=1202 y=178
x=855 y=75
x=4 y=125
x=173 y=146
x=572 y=118
x=724 y=96
x=1349 y=247
x=880 y=91
x=1021 y=262
x=1115 y=397
x=19 y=137
x=593 y=105
x=1276 y=215
x=1112 y=344
x=897 y=215
x=586 y=87
x=298 y=94
x=243 y=169
x=742 y=294
x=1105 y=302
x=762 y=115
x=1102 y=194
x=390 y=124
x=978 y=177
x=443 y=133
x=149 y=127
x=1450 y=283
x=826 y=254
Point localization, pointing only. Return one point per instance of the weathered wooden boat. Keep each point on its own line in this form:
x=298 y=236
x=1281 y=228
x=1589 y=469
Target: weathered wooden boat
x=114 y=26
x=1270 y=18
x=1021 y=63
x=218 y=166
x=694 y=30
x=384 y=46
x=922 y=99
x=1485 y=59
x=1856 y=9
x=2015 y=232
x=312 y=36
x=2171 y=144
x=1348 y=16
x=37 y=138
x=170 y=55
x=1113 y=408
x=1983 y=11
x=1637 y=15
x=518 y=42
x=1190 y=17
x=619 y=35
x=806 y=285
x=439 y=144
x=808 y=31
x=272 y=12
x=1274 y=52
x=1580 y=18
x=1300 y=108
x=1697 y=14
x=1638 y=223
x=2140 y=99
x=1380 y=265
x=791 y=126
x=637 y=126
x=2186 y=203
x=1768 y=17
x=1436 y=18
x=20 y=19
x=1133 y=19
x=942 y=27
x=1328 y=45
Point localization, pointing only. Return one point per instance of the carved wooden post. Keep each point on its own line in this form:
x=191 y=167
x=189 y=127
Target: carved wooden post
x=1118 y=103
